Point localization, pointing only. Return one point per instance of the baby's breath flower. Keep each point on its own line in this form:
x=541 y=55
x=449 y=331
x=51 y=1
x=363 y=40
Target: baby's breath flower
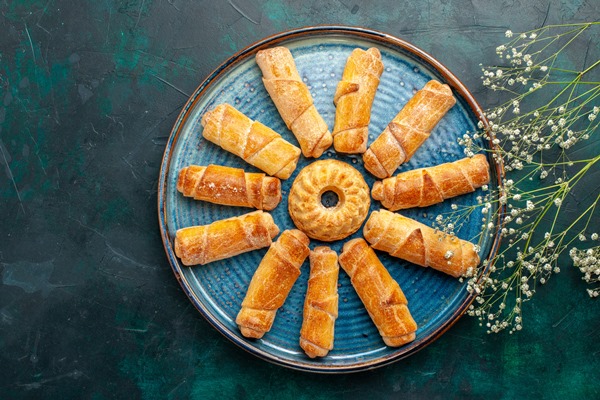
x=558 y=202
x=541 y=113
x=588 y=262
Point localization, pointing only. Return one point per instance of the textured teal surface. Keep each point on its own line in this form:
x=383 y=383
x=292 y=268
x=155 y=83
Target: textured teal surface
x=88 y=304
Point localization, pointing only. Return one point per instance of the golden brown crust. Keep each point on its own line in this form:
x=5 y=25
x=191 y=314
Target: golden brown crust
x=254 y=142
x=293 y=100
x=225 y=238
x=320 y=304
x=379 y=292
x=271 y=283
x=229 y=186
x=426 y=186
x=419 y=244
x=333 y=223
x=353 y=99
x=409 y=129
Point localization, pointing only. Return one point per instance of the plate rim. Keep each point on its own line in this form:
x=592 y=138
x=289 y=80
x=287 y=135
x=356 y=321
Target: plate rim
x=268 y=41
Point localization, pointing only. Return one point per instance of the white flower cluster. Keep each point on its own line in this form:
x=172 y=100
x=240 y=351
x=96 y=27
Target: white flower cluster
x=545 y=113
x=522 y=133
x=588 y=262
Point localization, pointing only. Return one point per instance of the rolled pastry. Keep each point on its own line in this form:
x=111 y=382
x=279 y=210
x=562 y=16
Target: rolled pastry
x=254 y=142
x=354 y=98
x=293 y=100
x=408 y=130
x=229 y=186
x=271 y=283
x=419 y=244
x=426 y=186
x=321 y=303
x=225 y=238
x=380 y=293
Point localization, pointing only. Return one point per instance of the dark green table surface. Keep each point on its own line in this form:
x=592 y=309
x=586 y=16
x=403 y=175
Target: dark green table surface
x=89 y=307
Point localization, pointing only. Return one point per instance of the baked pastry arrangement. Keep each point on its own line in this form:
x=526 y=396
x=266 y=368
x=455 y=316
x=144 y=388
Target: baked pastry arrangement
x=384 y=230
x=293 y=100
x=271 y=283
x=329 y=223
x=229 y=186
x=419 y=244
x=320 y=303
x=353 y=100
x=426 y=186
x=408 y=130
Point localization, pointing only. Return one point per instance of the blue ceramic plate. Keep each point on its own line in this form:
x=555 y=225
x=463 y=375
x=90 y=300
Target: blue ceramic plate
x=436 y=301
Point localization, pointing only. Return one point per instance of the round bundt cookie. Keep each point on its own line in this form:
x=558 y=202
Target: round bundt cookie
x=329 y=222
